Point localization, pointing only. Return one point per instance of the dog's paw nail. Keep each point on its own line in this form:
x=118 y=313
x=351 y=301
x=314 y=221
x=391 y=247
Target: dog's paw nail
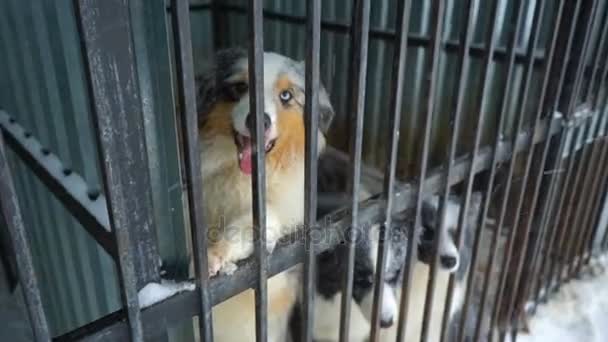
x=214 y=265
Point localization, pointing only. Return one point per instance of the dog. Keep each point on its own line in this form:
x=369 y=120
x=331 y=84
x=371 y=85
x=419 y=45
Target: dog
x=452 y=261
x=225 y=126
x=332 y=180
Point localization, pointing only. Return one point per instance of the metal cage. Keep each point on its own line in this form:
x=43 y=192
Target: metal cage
x=539 y=160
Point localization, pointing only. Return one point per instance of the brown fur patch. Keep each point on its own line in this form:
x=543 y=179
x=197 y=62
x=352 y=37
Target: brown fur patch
x=218 y=121
x=281 y=301
x=289 y=146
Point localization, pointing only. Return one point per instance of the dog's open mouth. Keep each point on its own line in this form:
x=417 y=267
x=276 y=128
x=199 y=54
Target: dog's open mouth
x=245 y=151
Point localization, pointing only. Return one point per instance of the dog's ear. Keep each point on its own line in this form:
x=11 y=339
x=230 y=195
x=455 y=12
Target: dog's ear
x=430 y=208
x=206 y=93
x=209 y=83
x=326 y=110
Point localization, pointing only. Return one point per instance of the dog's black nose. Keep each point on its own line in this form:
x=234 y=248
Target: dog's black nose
x=448 y=261
x=249 y=122
x=386 y=323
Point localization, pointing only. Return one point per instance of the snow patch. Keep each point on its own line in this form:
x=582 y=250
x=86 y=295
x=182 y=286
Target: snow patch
x=153 y=293
x=578 y=312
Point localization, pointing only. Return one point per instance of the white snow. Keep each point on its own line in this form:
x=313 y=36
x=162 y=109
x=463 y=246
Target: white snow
x=578 y=312
x=153 y=293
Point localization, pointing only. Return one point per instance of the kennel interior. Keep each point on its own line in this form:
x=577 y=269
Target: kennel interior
x=505 y=97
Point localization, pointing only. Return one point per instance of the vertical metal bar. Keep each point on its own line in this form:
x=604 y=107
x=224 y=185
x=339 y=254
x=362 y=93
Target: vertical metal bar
x=555 y=221
x=578 y=230
x=462 y=73
x=601 y=196
x=311 y=120
x=523 y=95
x=396 y=98
x=574 y=240
x=107 y=46
x=599 y=183
x=547 y=216
x=567 y=230
x=547 y=143
x=518 y=8
x=491 y=40
x=186 y=97
x=589 y=229
x=557 y=270
x=25 y=266
x=591 y=98
x=538 y=178
x=552 y=106
x=359 y=38
x=593 y=143
x=580 y=70
x=551 y=231
x=258 y=179
x=437 y=17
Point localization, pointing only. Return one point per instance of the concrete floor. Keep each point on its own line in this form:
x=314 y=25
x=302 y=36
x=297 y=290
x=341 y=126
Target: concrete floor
x=14 y=324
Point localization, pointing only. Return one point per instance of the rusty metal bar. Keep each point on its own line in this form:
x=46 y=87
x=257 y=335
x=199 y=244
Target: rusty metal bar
x=455 y=119
x=258 y=178
x=513 y=34
x=108 y=51
x=397 y=86
x=359 y=39
x=311 y=119
x=491 y=40
x=21 y=247
x=437 y=19
x=188 y=120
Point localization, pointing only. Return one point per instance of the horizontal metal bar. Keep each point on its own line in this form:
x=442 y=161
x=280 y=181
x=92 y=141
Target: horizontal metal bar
x=415 y=40
x=290 y=250
x=69 y=187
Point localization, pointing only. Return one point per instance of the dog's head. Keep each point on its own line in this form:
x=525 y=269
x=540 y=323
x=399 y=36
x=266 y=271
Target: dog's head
x=365 y=272
x=223 y=106
x=451 y=258
x=332 y=267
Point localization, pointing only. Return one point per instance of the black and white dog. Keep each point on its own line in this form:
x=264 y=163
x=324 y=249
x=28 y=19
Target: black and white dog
x=331 y=264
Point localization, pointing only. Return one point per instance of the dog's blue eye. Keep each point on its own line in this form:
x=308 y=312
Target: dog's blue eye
x=285 y=96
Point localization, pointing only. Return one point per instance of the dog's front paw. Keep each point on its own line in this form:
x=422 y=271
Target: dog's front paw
x=218 y=259
x=228 y=268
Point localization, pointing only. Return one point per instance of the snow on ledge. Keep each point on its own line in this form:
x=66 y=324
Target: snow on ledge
x=153 y=293
x=577 y=313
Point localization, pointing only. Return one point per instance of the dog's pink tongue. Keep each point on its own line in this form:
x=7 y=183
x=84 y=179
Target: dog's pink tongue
x=245 y=159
